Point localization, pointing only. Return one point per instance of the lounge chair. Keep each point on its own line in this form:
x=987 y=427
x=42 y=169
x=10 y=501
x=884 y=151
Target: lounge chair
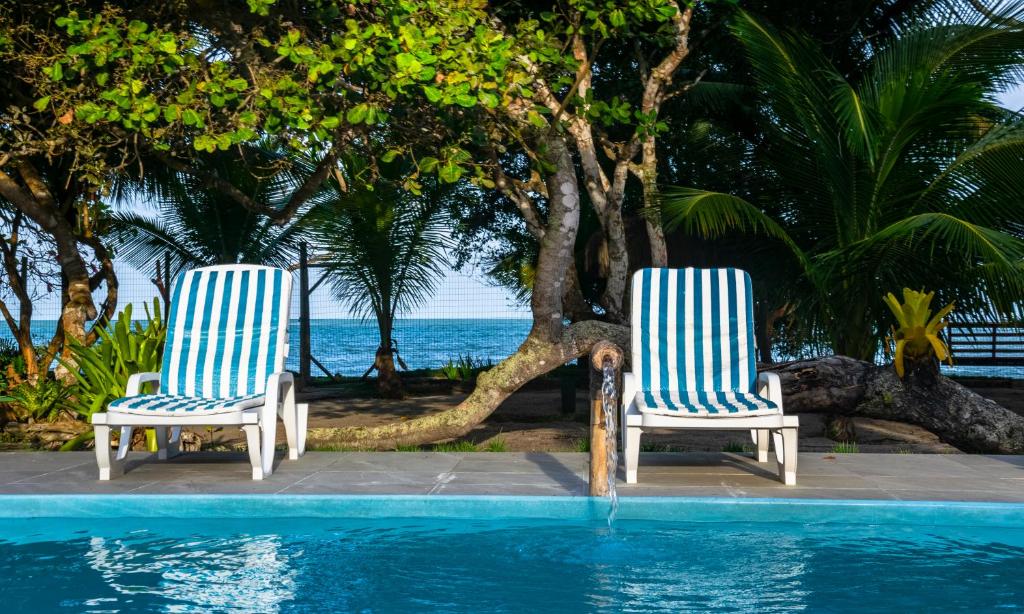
x=223 y=365
x=693 y=360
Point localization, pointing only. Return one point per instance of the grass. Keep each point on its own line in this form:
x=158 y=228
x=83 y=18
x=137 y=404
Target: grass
x=496 y=445
x=736 y=448
x=581 y=445
x=845 y=447
x=328 y=447
x=455 y=446
x=407 y=448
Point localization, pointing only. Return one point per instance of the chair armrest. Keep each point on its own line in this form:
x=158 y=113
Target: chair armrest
x=770 y=386
x=136 y=380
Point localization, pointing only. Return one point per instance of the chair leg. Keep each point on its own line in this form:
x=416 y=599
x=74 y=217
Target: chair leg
x=786 y=454
x=289 y=413
x=268 y=432
x=167 y=442
x=252 y=441
x=632 y=453
x=109 y=467
x=761 y=437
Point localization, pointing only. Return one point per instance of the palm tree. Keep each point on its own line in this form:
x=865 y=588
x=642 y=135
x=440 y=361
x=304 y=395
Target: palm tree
x=905 y=176
x=196 y=226
x=383 y=249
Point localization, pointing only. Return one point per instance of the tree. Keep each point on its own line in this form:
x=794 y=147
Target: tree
x=383 y=250
x=196 y=226
x=112 y=86
x=901 y=177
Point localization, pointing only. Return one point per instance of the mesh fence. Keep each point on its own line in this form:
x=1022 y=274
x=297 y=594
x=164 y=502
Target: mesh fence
x=465 y=317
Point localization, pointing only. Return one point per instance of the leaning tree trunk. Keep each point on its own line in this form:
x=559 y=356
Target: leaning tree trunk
x=549 y=344
x=848 y=387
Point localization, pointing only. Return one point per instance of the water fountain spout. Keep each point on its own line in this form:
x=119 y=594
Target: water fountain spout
x=606 y=360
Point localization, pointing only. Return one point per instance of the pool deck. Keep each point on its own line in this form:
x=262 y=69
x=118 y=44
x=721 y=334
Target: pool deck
x=915 y=477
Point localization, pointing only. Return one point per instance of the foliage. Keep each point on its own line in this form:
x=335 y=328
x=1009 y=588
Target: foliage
x=455 y=446
x=125 y=348
x=845 y=447
x=43 y=400
x=197 y=226
x=902 y=174
x=917 y=339
x=497 y=444
x=464 y=368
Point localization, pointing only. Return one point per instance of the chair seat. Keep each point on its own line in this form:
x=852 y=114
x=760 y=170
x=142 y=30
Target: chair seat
x=176 y=405
x=709 y=404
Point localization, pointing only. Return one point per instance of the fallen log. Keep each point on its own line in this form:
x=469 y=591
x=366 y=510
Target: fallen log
x=844 y=386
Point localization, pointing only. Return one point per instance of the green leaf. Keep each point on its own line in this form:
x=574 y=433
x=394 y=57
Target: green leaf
x=41 y=104
x=357 y=114
x=466 y=100
x=433 y=94
x=450 y=172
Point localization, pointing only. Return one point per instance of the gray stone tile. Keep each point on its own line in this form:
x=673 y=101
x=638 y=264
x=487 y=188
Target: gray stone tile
x=946 y=484
x=849 y=476
x=534 y=490
x=395 y=461
x=994 y=466
x=974 y=495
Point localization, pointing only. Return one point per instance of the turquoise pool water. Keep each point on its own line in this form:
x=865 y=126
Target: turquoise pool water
x=493 y=554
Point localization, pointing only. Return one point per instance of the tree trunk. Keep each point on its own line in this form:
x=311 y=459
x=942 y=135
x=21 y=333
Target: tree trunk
x=850 y=387
x=652 y=208
x=389 y=385
x=548 y=345
x=534 y=358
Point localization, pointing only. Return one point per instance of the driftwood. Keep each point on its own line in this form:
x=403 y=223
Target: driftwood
x=848 y=387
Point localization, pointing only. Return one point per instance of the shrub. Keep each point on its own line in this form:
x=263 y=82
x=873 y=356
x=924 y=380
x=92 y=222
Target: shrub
x=464 y=368
x=43 y=400
x=124 y=348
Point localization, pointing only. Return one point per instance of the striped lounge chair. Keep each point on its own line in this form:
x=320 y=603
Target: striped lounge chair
x=223 y=365
x=693 y=360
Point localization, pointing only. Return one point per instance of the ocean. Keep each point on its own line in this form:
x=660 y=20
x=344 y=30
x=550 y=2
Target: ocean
x=347 y=346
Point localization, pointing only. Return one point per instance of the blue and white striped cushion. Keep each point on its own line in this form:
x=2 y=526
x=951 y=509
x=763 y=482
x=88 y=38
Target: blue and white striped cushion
x=227 y=331
x=693 y=343
x=699 y=403
x=167 y=404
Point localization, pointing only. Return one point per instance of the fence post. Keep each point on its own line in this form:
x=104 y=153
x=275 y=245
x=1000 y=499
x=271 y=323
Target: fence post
x=305 y=351
x=604 y=354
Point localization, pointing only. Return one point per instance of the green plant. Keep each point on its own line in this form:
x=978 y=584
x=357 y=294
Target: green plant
x=407 y=448
x=735 y=447
x=845 y=447
x=895 y=174
x=464 y=368
x=917 y=339
x=124 y=348
x=497 y=444
x=581 y=445
x=382 y=248
x=43 y=400
x=455 y=446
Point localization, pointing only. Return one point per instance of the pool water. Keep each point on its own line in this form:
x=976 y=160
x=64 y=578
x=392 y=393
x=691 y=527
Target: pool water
x=471 y=558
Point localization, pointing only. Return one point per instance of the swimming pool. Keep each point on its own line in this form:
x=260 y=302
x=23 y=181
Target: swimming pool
x=497 y=554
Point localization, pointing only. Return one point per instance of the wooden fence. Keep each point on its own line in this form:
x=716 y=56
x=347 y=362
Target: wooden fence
x=986 y=344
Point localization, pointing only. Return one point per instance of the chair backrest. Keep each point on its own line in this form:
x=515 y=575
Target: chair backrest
x=693 y=329
x=227 y=331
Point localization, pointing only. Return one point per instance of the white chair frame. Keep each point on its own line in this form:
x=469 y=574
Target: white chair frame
x=782 y=429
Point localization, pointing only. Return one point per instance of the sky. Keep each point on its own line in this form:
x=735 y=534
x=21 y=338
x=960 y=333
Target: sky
x=465 y=294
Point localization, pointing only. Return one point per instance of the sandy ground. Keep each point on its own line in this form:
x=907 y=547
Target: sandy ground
x=531 y=421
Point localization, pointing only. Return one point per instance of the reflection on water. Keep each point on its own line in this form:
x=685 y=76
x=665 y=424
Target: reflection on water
x=238 y=574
